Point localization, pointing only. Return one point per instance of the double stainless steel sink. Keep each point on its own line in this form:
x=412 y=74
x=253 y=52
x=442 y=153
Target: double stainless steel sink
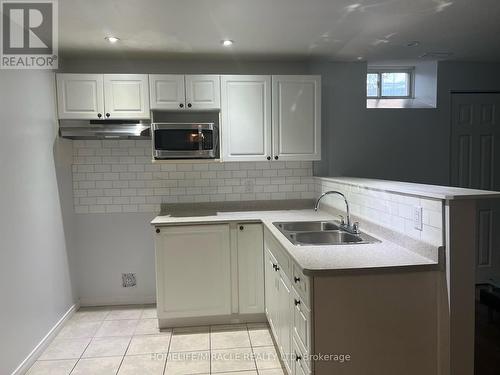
x=310 y=233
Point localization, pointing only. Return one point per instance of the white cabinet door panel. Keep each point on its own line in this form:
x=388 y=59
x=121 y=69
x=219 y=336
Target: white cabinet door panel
x=126 y=96
x=203 y=91
x=193 y=271
x=285 y=321
x=297 y=117
x=167 y=91
x=246 y=118
x=80 y=96
x=250 y=244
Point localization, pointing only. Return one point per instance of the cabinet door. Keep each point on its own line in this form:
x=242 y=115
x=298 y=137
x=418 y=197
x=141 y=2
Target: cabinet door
x=297 y=117
x=250 y=268
x=285 y=320
x=167 y=91
x=203 y=91
x=246 y=118
x=271 y=292
x=193 y=271
x=126 y=96
x=80 y=96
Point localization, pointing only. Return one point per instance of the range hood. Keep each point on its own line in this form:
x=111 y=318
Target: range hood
x=105 y=129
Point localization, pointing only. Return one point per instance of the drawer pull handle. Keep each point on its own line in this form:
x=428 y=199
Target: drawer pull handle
x=276 y=267
x=242 y=227
x=296 y=279
x=157 y=230
x=297 y=357
x=297 y=302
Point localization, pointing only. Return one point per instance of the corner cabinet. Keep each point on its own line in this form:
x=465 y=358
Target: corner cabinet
x=209 y=274
x=102 y=96
x=185 y=92
x=246 y=118
x=271 y=117
x=297 y=117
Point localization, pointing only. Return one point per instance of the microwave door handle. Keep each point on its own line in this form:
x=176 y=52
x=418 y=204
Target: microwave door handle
x=201 y=141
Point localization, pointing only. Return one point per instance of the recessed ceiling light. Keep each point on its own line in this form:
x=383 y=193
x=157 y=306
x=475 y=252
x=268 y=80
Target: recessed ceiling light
x=227 y=42
x=359 y=58
x=414 y=43
x=112 y=39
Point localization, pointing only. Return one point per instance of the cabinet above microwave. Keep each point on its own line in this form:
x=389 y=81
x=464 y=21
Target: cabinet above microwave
x=184 y=92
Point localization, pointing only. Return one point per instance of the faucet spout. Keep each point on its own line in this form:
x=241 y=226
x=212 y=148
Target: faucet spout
x=316 y=206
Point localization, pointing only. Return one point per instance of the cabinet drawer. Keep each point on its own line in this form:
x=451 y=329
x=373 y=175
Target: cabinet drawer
x=279 y=253
x=301 y=363
x=301 y=283
x=301 y=323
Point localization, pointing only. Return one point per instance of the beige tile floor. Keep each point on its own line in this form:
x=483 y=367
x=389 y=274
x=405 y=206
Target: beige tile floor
x=127 y=341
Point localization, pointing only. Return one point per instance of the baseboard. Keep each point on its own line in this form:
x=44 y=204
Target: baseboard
x=42 y=345
x=116 y=301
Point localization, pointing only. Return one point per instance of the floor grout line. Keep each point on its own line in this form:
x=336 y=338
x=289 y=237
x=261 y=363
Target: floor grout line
x=168 y=349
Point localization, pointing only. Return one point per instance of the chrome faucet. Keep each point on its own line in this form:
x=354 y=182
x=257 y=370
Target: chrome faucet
x=351 y=228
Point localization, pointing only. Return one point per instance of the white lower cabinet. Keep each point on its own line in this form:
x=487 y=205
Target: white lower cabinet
x=286 y=310
x=193 y=271
x=195 y=277
x=249 y=239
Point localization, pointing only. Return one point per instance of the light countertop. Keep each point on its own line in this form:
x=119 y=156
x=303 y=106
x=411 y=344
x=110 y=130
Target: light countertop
x=420 y=190
x=393 y=252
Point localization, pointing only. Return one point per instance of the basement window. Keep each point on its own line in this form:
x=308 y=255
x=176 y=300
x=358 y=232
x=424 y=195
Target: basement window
x=390 y=83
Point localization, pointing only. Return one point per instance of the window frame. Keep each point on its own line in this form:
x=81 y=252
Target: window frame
x=380 y=70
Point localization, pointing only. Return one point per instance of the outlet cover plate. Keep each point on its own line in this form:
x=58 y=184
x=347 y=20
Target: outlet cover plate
x=129 y=280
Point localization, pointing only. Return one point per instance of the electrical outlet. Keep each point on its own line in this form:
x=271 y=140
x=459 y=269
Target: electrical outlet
x=417 y=218
x=128 y=280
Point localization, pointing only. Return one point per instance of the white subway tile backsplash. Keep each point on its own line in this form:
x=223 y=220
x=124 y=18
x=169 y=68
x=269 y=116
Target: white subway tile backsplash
x=387 y=209
x=118 y=176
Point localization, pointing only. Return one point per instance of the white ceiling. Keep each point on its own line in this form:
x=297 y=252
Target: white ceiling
x=333 y=29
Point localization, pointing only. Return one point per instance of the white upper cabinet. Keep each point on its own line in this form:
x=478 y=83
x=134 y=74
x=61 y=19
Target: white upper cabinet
x=126 y=96
x=246 y=118
x=167 y=91
x=184 y=92
x=297 y=117
x=102 y=96
x=202 y=91
x=80 y=96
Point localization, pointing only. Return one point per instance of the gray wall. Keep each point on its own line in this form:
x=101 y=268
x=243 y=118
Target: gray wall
x=180 y=66
x=34 y=261
x=395 y=144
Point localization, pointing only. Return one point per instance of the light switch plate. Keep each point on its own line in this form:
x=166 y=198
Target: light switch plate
x=417 y=218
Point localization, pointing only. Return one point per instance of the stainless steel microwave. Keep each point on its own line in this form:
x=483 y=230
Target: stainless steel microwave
x=185 y=141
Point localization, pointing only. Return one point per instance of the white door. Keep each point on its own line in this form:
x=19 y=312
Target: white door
x=246 y=118
x=203 y=91
x=126 y=96
x=193 y=271
x=475 y=160
x=297 y=117
x=80 y=96
x=250 y=268
x=167 y=91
